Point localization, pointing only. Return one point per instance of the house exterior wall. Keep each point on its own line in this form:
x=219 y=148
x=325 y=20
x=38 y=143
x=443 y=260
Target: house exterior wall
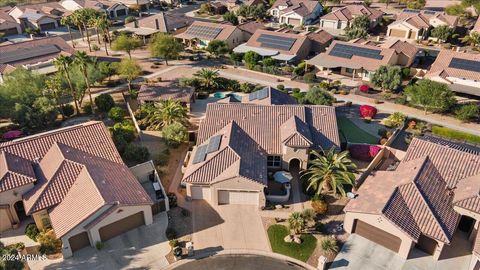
x=117 y=8
x=39 y=218
x=383 y=224
x=45 y=20
x=70 y=5
x=10 y=197
x=15 y=13
x=291 y=18
x=237 y=183
x=290 y=153
x=93 y=233
x=8 y=25
x=235 y=39
x=312 y=17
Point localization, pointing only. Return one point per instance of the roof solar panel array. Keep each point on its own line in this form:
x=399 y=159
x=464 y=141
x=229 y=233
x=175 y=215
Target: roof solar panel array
x=27 y=53
x=205 y=32
x=260 y=94
x=407 y=10
x=200 y=154
x=276 y=42
x=465 y=64
x=347 y=51
x=214 y=143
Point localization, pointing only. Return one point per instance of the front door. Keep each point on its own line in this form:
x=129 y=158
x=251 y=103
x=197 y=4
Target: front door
x=20 y=210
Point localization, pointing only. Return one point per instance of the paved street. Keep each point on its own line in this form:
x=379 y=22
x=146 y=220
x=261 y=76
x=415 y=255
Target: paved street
x=227 y=227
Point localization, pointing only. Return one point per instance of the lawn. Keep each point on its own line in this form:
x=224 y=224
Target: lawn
x=303 y=251
x=354 y=134
x=455 y=135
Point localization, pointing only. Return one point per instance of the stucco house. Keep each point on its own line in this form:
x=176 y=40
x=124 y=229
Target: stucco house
x=240 y=143
x=362 y=59
x=416 y=24
x=340 y=18
x=74 y=181
x=429 y=201
x=459 y=70
x=111 y=8
x=44 y=17
x=200 y=33
x=296 y=12
x=162 y=91
x=8 y=25
x=234 y=5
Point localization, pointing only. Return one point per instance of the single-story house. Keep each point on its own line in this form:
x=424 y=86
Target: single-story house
x=429 y=201
x=74 y=181
x=45 y=16
x=296 y=12
x=234 y=5
x=476 y=27
x=218 y=7
x=416 y=24
x=200 y=33
x=281 y=46
x=8 y=25
x=36 y=54
x=249 y=28
x=406 y=51
x=166 y=91
x=239 y=145
x=111 y=8
x=340 y=18
x=320 y=40
x=159 y=23
x=360 y=60
x=460 y=71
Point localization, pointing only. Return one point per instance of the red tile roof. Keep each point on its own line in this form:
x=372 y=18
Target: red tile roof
x=15 y=171
x=348 y=13
x=441 y=66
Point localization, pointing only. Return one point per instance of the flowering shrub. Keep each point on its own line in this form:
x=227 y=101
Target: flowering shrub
x=364 y=88
x=363 y=151
x=368 y=111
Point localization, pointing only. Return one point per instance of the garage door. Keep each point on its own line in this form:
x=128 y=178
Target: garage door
x=397 y=33
x=295 y=22
x=47 y=26
x=200 y=193
x=79 y=241
x=412 y=34
x=4 y=220
x=377 y=235
x=121 y=12
x=426 y=244
x=10 y=31
x=121 y=226
x=237 y=197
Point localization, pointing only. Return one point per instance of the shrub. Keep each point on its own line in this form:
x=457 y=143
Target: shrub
x=136 y=153
x=364 y=151
x=396 y=119
x=281 y=87
x=171 y=233
x=348 y=104
x=116 y=114
x=130 y=19
x=456 y=135
x=162 y=157
x=368 y=111
x=329 y=245
x=125 y=129
x=467 y=112
x=68 y=110
x=309 y=77
x=296 y=90
x=405 y=72
x=120 y=143
x=318 y=96
x=319 y=205
x=95 y=48
x=174 y=134
x=99 y=245
x=31 y=231
x=246 y=87
x=87 y=108
x=173 y=243
x=104 y=102
x=268 y=62
x=49 y=244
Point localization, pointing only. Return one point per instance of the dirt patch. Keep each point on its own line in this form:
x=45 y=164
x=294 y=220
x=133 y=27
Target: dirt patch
x=175 y=158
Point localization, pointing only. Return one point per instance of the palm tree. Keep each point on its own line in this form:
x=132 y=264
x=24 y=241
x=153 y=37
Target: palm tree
x=53 y=87
x=94 y=22
x=68 y=21
x=76 y=19
x=296 y=222
x=330 y=171
x=473 y=39
x=63 y=63
x=207 y=77
x=329 y=245
x=83 y=61
x=102 y=23
x=172 y=111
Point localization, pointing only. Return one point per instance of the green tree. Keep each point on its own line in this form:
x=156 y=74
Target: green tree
x=330 y=171
x=318 y=96
x=358 y=28
x=126 y=43
x=251 y=59
x=252 y=12
x=54 y=89
x=82 y=60
x=165 y=46
x=217 y=47
x=175 y=134
x=230 y=17
x=456 y=10
x=63 y=64
x=172 y=111
x=431 y=96
x=442 y=32
x=41 y=114
x=68 y=22
x=416 y=4
x=296 y=222
x=129 y=70
x=208 y=78
x=106 y=69
x=116 y=114
x=104 y=102
x=473 y=39
x=387 y=77
x=468 y=112
x=15 y=263
x=236 y=58
x=136 y=153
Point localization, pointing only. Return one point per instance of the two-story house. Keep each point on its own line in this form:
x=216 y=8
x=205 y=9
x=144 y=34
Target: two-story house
x=296 y=12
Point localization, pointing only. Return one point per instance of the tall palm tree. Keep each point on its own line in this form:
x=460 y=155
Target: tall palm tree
x=102 y=23
x=330 y=171
x=76 y=18
x=83 y=61
x=207 y=77
x=473 y=39
x=63 y=63
x=296 y=222
x=164 y=113
x=68 y=21
x=93 y=22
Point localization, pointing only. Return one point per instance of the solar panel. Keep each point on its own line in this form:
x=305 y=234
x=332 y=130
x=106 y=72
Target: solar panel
x=201 y=31
x=276 y=42
x=430 y=12
x=200 y=154
x=347 y=51
x=411 y=10
x=465 y=64
x=253 y=96
x=27 y=53
x=214 y=143
x=261 y=94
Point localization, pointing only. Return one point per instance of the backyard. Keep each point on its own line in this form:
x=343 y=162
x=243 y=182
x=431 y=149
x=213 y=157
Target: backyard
x=353 y=134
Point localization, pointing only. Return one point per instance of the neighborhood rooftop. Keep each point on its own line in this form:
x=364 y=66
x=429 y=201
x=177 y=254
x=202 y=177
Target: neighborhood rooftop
x=207 y=31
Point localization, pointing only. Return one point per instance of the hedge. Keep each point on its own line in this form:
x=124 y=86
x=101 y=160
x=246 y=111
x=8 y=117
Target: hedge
x=456 y=135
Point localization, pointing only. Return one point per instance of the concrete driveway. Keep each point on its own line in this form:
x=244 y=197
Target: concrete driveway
x=227 y=227
x=141 y=248
x=360 y=253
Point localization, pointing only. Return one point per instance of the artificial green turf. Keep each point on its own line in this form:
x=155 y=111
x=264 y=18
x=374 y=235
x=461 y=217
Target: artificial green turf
x=354 y=134
x=303 y=251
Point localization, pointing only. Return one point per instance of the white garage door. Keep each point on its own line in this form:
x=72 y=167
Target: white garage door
x=237 y=197
x=201 y=193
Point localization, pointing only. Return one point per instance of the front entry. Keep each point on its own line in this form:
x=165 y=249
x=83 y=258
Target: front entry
x=294 y=165
x=466 y=224
x=20 y=210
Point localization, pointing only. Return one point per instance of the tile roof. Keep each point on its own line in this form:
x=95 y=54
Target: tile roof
x=476 y=245
x=165 y=91
x=423 y=19
x=301 y=7
x=348 y=13
x=252 y=26
x=467 y=193
x=440 y=68
x=418 y=197
x=294 y=49
x=166 y=22
x=320 y=36
x=4 y=17
x=408 y=49
x=274 y=97
x=15 y=171
x=476 y=27
x=225 y=33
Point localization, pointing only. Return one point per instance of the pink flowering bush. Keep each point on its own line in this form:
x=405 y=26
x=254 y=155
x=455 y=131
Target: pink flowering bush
x=364 y=88
x=364 y=151
x=368 y=111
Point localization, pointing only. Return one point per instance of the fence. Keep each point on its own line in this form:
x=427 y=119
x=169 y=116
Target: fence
x=132 y=115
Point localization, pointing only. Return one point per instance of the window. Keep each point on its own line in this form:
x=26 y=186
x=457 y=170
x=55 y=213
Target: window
x=349 y=70
x=274 y=161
